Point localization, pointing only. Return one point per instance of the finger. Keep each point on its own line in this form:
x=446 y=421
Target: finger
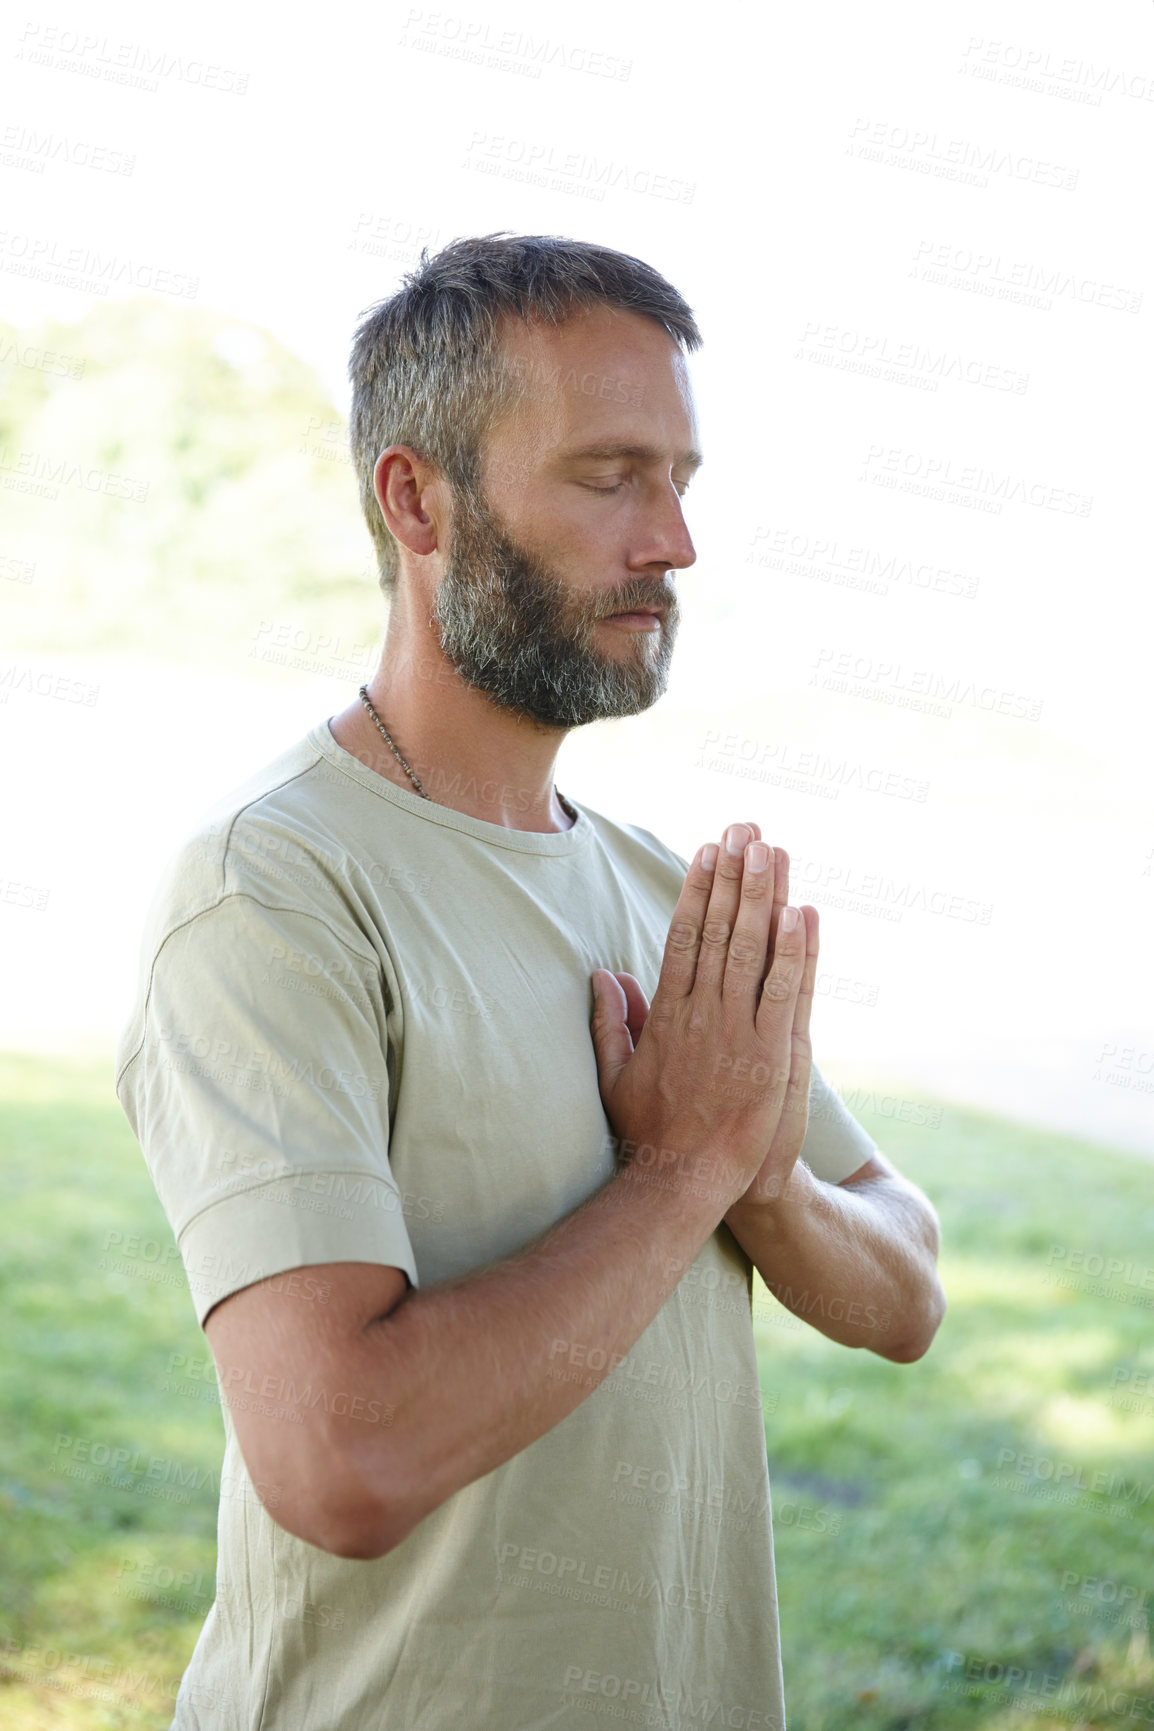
x=805 y=991
x=779 y=993
x=780 y=900
x=683 y=940
x=721 y=913
x=749 y=943
x=780 y=889
x=795 y=1109
x=636 y=1005
x=612 y=1046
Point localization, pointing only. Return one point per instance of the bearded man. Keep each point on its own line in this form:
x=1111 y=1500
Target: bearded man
x=473 y=1110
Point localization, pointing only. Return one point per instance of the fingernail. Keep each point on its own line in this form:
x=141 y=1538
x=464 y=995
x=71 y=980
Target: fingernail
x=789 y=919
x=709 y=855
x=757 y=856
x=733 y=844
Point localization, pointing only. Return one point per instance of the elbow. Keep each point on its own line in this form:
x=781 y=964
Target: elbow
x=907 y=1352
x=359 y=1540
x=909 y=1348
x=370 y=1508
x=358 y=1533
x=336 y=1512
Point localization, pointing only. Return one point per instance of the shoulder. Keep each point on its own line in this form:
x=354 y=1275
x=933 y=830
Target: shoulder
x=276 y=833
x=274 y=840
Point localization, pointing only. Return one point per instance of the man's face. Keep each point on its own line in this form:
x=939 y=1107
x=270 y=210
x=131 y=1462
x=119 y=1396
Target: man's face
x=563 y=535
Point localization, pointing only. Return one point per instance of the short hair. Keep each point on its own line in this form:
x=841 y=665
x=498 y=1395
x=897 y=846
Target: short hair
x=427 y=369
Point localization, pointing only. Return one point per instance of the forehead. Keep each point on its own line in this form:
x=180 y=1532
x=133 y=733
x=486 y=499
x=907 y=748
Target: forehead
x=605 y=372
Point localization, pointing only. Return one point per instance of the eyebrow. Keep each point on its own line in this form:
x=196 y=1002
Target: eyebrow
x=642 y=453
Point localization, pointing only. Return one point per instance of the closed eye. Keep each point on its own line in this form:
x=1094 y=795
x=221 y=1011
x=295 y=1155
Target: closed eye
x=682 y=488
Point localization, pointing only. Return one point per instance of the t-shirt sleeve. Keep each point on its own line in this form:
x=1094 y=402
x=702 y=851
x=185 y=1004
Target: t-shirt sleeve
x=835 y=1143
x=259 y=1092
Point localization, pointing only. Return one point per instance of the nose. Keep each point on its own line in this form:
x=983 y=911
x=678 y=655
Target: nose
x=667 y=540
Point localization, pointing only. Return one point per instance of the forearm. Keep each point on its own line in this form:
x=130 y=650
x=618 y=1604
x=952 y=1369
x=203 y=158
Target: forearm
x=477 y=1368
x=859 y=1263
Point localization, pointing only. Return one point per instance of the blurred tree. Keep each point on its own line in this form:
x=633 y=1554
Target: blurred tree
x=180 y=483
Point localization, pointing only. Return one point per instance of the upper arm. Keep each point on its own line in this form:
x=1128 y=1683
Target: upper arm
x=293 y=1381
x=262 y=1108
x=260 y=1095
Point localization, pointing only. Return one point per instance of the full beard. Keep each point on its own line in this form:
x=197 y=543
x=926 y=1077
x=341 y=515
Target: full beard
x=517 y=632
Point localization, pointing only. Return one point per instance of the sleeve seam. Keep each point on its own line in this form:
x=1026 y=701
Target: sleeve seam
x=225 y=896
x=267 y=1183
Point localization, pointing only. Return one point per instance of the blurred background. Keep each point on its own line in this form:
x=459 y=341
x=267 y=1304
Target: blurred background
x=912 y=649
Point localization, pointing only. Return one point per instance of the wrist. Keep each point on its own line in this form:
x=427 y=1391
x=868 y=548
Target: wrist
x=651 y=1164
x=776 y=1214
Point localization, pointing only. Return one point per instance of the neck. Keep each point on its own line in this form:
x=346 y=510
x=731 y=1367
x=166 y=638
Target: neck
x=467 y=753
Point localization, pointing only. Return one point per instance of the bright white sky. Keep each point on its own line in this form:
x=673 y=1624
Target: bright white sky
x=826 y=186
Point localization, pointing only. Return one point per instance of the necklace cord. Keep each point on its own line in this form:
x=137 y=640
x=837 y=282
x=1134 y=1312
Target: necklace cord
x=569 y=810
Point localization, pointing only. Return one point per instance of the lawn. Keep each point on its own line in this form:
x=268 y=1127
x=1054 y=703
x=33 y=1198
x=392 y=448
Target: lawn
x=963 y=1542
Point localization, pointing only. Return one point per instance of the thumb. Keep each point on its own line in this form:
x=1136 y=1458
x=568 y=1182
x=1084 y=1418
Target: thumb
x=611 y=1039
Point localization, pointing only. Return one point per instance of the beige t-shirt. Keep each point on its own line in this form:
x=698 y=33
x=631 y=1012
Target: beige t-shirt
x=362 y=1034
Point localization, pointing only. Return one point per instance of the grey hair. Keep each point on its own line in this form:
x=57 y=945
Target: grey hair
x=427 y=369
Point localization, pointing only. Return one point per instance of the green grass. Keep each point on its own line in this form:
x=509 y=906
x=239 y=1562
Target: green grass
x=943 y=1547
x=903 y=1541
x=103 y=1587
